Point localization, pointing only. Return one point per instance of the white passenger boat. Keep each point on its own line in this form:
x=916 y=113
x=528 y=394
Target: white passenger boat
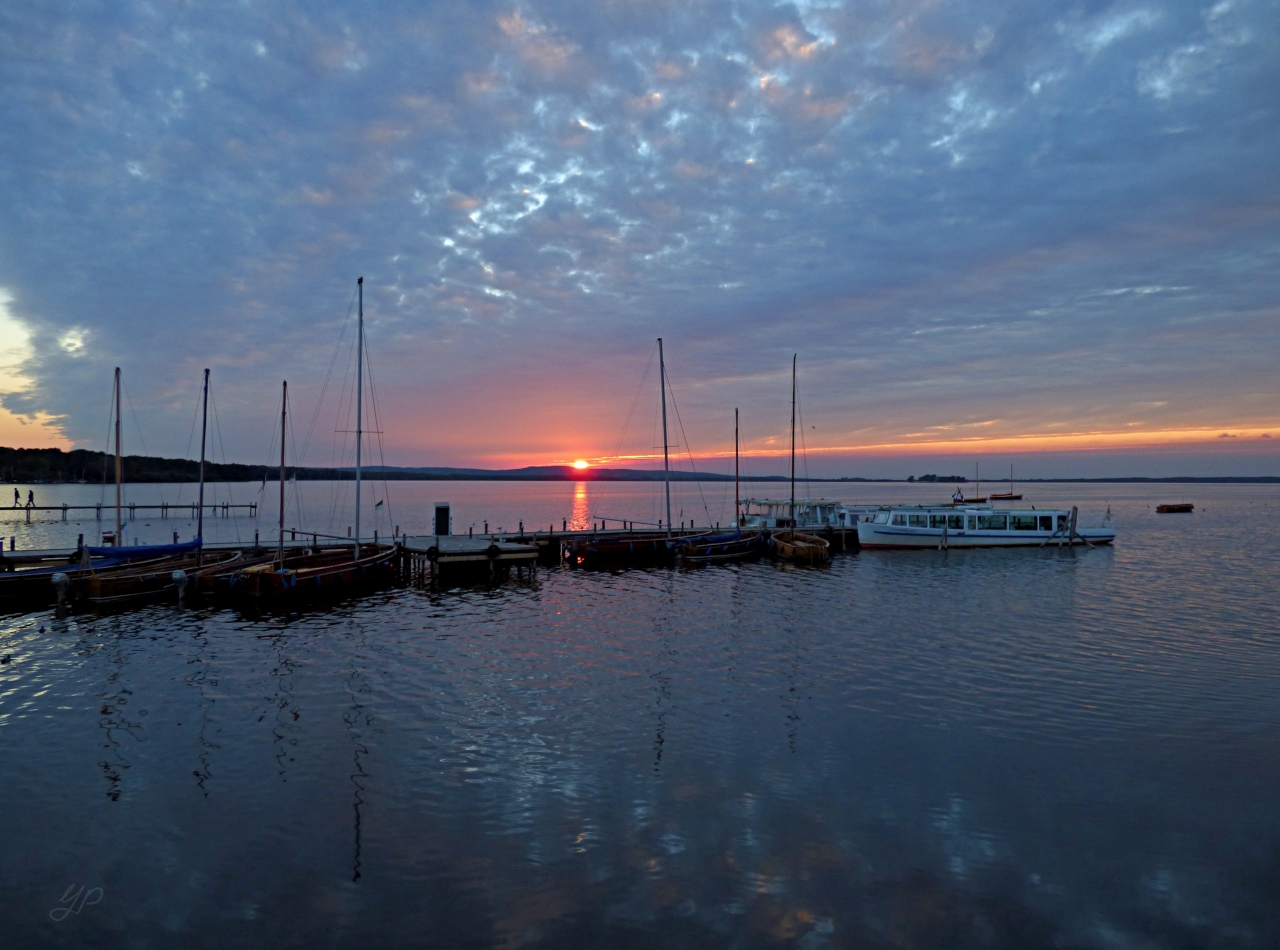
x=922 y=526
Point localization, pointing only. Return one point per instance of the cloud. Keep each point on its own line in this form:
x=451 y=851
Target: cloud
x=1048 y=215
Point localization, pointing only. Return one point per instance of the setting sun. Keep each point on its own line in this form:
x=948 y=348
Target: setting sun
x=579 y=464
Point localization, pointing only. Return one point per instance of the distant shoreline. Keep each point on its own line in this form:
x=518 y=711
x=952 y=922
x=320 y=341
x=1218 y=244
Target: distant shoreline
x=55 y=467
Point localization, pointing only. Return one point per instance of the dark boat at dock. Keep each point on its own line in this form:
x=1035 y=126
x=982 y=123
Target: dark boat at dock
x=317 y=574
x=1183 y=508
x=719 y=548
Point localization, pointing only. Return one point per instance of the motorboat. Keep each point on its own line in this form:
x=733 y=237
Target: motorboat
x=945 y=526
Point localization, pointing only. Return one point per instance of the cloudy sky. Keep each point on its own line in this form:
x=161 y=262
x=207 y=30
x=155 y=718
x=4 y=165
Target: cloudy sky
x=991 y=231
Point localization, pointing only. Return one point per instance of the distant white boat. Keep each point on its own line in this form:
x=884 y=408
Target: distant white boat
x=923 y=526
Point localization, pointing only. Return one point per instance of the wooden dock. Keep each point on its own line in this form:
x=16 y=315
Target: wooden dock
x=166 y=510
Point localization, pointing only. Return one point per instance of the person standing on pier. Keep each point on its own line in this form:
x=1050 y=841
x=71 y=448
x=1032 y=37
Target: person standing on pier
x=17 y=498
x=31 y=498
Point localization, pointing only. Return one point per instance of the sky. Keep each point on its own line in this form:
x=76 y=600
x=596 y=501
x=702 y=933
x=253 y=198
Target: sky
x=991 y=233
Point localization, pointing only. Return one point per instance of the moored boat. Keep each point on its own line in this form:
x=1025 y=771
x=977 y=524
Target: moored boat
x=945 y=526
x=316 y=574
x=334 y=571
x=799 y=547
x=793 y=545
x=613 y=550
x=719 y=548
x=1182 y=508
x=162 y=579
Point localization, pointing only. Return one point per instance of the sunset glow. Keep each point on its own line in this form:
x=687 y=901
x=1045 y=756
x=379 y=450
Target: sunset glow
x=580 y=464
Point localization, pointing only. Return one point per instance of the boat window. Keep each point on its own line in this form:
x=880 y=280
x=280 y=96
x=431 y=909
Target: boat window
x=955 y=522
x=918 y=521
x=937 y=521
x=1046 y=522
x=991 y=522
x=882 y=517
x=900 y=520
x=1022 y=522
x=970 y=520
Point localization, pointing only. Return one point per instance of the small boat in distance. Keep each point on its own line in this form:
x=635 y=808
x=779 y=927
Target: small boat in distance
x=1006 y=495
x=1182 y=508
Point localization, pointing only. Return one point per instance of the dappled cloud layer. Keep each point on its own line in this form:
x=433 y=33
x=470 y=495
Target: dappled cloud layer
x=1024 y=227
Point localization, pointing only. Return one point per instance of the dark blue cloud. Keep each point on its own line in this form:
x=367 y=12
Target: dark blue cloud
x=1046 y=215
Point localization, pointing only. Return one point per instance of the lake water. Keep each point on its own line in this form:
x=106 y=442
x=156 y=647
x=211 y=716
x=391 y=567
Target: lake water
x=1022 y=749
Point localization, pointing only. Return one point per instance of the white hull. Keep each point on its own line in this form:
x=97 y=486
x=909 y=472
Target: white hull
x=911 y=527
x=877 y=536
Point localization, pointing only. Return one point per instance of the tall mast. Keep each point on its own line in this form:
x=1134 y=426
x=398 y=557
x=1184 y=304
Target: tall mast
x=119 y=462
x=977 y=491
x=736 y=493
x=204 y=429
x=359 y=403
x=666 y=461
x=284 y=409
x=793 y=442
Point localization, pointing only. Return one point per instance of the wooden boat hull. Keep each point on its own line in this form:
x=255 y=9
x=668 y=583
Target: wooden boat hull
x=800 y=548
x=1180 y=509
x=1005 y=496
x=720 y=549
x=167 y=578
x=316 y=575
x=639 y=548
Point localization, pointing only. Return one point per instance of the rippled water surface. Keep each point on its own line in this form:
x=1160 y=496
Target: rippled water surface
x=924 y=749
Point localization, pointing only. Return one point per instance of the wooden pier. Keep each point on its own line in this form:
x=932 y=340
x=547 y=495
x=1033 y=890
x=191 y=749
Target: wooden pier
x=166 y=510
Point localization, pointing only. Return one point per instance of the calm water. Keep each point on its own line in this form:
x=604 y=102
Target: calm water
x=963 y=749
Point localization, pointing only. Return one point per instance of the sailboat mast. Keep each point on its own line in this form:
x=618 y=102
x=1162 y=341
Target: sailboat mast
x=736 y=493
x=666 y=461
x=793 y=441
x=284 y=409
x=359 y=403
x=119 y=461
x=204 y=430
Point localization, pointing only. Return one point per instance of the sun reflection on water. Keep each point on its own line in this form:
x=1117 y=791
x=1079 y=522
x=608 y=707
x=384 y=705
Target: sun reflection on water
x=580 y=519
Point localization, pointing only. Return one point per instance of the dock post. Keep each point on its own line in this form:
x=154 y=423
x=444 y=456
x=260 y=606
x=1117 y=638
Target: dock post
x=64 y=511
x=565 y=525
x=133 y=513
x=99 y=511
x=486 y=527
x=28 y=514
x=13 y=543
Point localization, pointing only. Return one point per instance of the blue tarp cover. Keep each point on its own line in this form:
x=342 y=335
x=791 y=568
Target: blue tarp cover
x=147 y=550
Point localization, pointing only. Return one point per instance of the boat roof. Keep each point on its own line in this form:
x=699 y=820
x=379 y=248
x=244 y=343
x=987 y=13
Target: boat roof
x=787 y=501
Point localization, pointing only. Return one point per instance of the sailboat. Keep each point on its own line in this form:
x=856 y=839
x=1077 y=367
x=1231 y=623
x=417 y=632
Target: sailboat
x=323 y=571
x=793 y=545
x=635 y=546
x=735 y=545
x=1006 y=495
x=165 y=569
